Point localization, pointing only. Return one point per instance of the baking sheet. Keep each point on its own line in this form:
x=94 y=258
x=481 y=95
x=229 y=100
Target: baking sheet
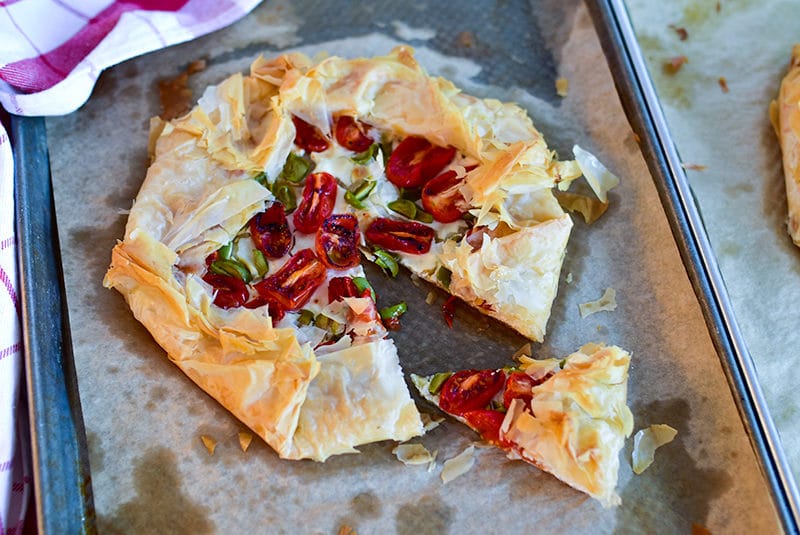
x=144 y=418
x=743 y=172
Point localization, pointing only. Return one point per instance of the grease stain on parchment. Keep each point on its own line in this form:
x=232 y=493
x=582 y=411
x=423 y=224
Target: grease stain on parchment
x=675 y=481
x=160 y=506
x=97 y=456
x=427 y=515
x=363 y=506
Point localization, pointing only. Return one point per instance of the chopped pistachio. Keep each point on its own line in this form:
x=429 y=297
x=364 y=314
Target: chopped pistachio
x=423 y=216
x=444 y=275
x=260 y=261
x=352 y=201
x=296 y=168
x=225 y=251
x=306 y=317
x=386 y=261
x=394 y=311
x=284 y=192
x=232 y=268
x=362 y=190
x=404 y=207
x=364 y=157
x=437 y=381
x=386 y=151
x=262 y=179
x=361 y=284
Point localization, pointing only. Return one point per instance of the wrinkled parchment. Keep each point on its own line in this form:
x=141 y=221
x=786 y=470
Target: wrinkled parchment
x=144 y=419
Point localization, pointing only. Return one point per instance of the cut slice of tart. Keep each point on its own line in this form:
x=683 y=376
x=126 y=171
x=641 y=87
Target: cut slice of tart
x=568 y=417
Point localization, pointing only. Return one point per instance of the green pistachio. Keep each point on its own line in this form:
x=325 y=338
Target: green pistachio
x=232 y=268
x=363 y=158
x=296 y=168
x=361 y=284
x=386 y=261
x=404 y=207
x=437 y=381
x=444 y=275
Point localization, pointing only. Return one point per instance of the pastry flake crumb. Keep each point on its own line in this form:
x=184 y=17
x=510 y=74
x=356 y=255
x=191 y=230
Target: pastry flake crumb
x=591 y=209
x=647 y=441
x=209 y=443
x=245 y=439
x=430 y=298
x=568 y=278
x=693 y=166
x=723 y=84
x=429 y=421
x=600 y=179
x=458 y=465
x=562 y=87
x=346 y=530
x=524 y=351
x=413 y=454
x=608 y=302
x=674 y=64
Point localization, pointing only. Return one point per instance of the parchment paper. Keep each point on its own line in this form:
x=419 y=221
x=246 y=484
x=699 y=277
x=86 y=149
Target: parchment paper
x=151 y=473
x=741 y=192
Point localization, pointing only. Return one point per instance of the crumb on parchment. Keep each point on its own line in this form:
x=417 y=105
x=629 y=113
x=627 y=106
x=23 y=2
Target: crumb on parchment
x=608 y=301
x=245 y=439
x=209 y=443
x=693 y=166
x=562 y=87
x=682 y=33
x=674 y=64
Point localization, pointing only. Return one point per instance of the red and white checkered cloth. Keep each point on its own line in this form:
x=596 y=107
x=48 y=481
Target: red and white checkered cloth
x=51 y=53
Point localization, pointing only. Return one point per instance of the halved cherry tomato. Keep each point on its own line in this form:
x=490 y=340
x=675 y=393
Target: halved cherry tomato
x=341 y=287
x=230 y=291
x=449 y=310
x=405 y=236
x=337 y=241
x=352 y=134
x=275 y=310
x=415 y=161
x=270 y=231
x=470 y=390
x=319 y=197
x=292 y=285
x=518 y=386
x=308 y=137
x=441 y=196
x=487 y=423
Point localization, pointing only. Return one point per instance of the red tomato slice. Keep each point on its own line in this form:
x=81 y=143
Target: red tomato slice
x=518 y=386
x=415 y=161
x=470 y=390
x=230 y=291
x=308 y=137
x=337 y=241
x=449 y=310
x=352 y=134
x=275 y=310
x=292 y=285
x=270 y=231
x=405 y=236
x=441 y=196
x=487 y=423
x=341 y=287
x=319 y=197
